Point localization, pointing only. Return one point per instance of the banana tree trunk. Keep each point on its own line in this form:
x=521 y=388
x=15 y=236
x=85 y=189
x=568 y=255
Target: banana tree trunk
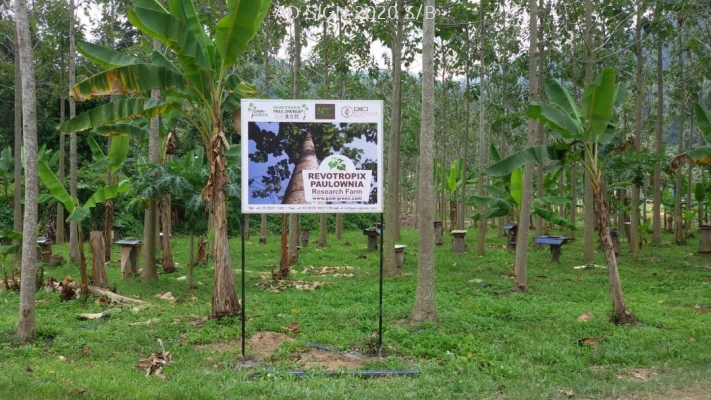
x=620 y=313
x=224 y=296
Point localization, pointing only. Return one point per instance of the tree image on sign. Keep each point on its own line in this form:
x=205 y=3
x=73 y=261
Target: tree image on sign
x=279 y=152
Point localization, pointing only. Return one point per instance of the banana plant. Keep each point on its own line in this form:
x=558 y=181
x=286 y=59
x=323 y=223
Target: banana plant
x=76 y=212
x=452 y=183
x=588 y=128
x=200 y=84
x=702 y=154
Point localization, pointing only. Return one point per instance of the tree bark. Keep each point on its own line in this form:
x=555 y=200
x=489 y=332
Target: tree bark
x=588 y=200
x=392 y=206
x=293 y=248
x=634 y=215
x=17 y=172
x=307 y=161
x=678 y=223
x=98 y=266
x=59 y=235
x=150 y=271
x=167 y=225
x=73 y=226
x=481 y=242
x=26 y=326
x=658 y=149
x=425 y=308
x=224 y=296
x=524 y=222
x=263 y=229
x=620 y=313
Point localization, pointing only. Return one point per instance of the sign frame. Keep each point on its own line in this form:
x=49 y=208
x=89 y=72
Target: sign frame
x=333 y=183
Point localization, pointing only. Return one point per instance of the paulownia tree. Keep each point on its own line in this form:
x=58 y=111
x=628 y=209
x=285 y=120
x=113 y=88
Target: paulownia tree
x=200 y=83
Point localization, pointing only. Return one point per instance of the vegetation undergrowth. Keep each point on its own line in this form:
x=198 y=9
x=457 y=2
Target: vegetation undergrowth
x=556 y=341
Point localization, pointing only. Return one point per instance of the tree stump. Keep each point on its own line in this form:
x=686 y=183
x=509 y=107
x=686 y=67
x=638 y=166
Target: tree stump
x=98 y=253
x=458 y=245
x=439 y=233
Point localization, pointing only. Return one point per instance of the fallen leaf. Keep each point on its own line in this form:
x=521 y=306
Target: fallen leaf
x=90 y=316
x=567 y=392
x=154 y=364
x=293 y=328
x=150 y=321
x=585 y=317
x=589 y=342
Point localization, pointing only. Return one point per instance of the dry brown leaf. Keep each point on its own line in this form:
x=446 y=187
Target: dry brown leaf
x=154 y=364
x=567 y=392
x=293 y=328
x=585 y=317
x=589 y=342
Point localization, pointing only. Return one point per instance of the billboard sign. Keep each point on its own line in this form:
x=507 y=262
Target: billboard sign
x=312 y=156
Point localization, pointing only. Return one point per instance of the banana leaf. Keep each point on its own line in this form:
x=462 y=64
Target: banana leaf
x=525 y=156
x=553 y=218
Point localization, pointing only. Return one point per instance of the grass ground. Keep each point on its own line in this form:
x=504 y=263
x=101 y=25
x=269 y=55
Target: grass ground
x=489 y=342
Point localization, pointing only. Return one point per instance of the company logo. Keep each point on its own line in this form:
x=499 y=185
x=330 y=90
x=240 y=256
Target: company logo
x=256 y=112
x=290 y=112
x=325 y=111
x=347 y=111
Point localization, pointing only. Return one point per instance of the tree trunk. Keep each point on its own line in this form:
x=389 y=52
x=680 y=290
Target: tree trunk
x=263 y=229
x=284 y=266
x=59 y=232
x=392 y=206
x=73 y=226
x=524 y=221
x=467 y=121
x=224 y=295
x=293 y=248
x=339 y=226
x=191 y=261
x=167 y=225
x=658 y=144
x=481 y=241
x=17 y=172
x=634 y=216
x=150 y=271
x=26 y=327
x=425 y=308
x=588 y=206
x=307 y=161
x=620 y=313
x=678 y=223
x=323 y=220
x=539 y=126
x=98 y=265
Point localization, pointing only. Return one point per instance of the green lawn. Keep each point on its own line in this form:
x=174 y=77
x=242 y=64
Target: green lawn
x=489 y=342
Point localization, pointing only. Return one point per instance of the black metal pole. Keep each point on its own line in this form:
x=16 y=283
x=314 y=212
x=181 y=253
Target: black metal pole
x=244 y=307
x=380 y=309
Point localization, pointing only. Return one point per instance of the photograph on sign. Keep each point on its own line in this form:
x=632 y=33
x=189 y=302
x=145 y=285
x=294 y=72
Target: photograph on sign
x=312 y=156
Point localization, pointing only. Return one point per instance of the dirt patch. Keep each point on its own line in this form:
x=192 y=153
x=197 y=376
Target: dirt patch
x=328 y=360
x=263 y=345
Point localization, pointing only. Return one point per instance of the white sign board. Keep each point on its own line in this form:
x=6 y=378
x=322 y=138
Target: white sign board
x=312 y=156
